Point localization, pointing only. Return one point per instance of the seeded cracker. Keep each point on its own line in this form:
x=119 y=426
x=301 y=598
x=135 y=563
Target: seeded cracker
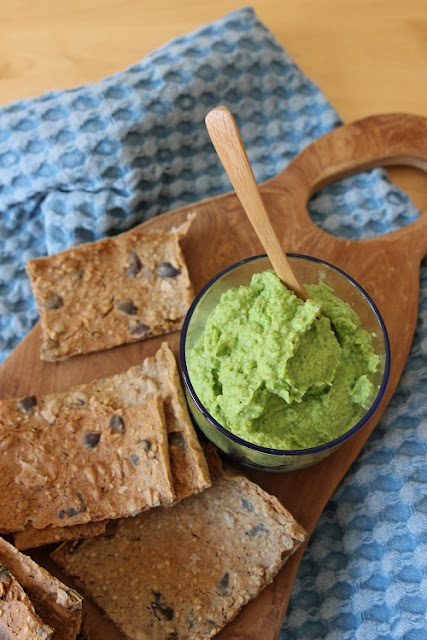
x=133 y=387
x=110 y=292
x=30 y=537
x=194 y=565
x=54 y=602
x=86 y=465
x=18 y=619
x=130 y=388
x=188 y=464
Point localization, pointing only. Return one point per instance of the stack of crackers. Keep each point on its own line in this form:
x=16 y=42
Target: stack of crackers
x=33 y=603
x=114 y=470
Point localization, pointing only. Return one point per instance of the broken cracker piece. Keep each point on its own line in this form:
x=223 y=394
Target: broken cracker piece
x=110 y=292
x=194 y=565
x=188 y=464
x=87 y=465
x=18 y=619
x=58 y=605
x=133 y=387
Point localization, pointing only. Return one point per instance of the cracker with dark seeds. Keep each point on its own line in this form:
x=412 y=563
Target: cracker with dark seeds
x=18 y=619
x=30 y=537
x=110 y=292
x=58 y=605
x=86 y=465
x=129 y=388
x=185 y=571
x=132 y=387
x=188 y=464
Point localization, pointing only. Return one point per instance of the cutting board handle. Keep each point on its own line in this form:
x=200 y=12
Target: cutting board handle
x=376 y=141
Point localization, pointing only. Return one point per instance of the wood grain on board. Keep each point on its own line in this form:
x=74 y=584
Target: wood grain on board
x=387 y=267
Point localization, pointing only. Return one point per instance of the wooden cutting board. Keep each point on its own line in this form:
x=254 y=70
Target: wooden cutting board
x=387 y=267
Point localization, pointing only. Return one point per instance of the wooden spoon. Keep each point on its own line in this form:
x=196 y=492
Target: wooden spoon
x=225 y=136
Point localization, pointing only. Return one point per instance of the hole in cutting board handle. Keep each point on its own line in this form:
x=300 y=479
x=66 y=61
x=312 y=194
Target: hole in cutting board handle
x=365 y=205
x=376 y=141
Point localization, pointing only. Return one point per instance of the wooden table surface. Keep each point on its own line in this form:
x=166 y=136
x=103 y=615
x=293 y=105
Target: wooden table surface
x=368 y=57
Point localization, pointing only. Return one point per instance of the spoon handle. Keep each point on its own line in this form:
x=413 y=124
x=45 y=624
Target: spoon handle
x=228 y=144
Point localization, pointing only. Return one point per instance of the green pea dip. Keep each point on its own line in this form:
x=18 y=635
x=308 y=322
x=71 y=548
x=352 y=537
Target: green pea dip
x=273 y=372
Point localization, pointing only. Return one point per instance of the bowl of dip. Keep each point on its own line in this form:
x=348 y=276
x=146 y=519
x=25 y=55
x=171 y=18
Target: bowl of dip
x=277 y=383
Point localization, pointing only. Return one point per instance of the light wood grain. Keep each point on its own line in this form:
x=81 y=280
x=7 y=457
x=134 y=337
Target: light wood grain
x=368 y=57
x=387 y=267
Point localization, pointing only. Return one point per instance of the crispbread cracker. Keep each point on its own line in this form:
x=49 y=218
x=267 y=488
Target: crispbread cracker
x=110 y=292
x=194 y=565
x=18 y=619
x=87 y=465
x=30 y=537
x=58 y=605
x=188 y=464
x=132 y=387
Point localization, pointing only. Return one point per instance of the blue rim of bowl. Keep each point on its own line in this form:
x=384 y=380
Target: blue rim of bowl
x=285 y=452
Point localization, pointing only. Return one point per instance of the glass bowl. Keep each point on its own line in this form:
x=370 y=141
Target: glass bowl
x=311 y=271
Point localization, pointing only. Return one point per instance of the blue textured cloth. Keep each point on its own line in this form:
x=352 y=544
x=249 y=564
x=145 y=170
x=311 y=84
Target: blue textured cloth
x=78 y=165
